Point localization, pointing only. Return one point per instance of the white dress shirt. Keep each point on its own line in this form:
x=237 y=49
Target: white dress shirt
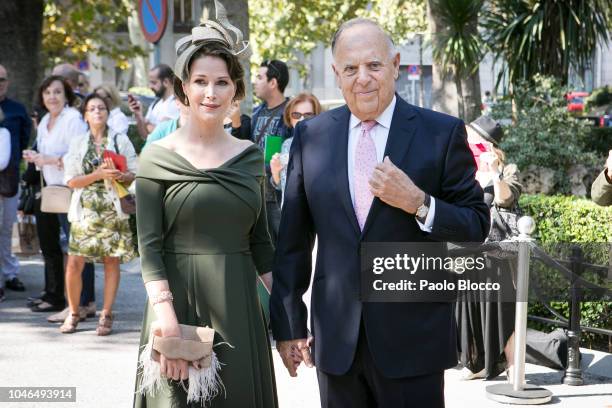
x=162 y=110
x=68 y=125
x=380 y=135
x=118 y=121
x=5 y=148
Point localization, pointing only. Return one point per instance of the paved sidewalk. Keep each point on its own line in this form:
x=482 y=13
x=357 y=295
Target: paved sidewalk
x=34 y=353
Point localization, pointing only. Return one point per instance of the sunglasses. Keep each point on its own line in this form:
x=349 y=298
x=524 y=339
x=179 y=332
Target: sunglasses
x=2 y=80
x=300 y=115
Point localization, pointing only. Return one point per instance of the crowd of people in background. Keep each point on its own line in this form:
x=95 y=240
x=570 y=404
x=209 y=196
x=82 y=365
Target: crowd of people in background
x=63 y=144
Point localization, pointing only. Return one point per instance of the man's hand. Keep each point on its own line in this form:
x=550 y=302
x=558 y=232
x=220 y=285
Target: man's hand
x=293 y=352
x=395 y=188
x=135 y=106
x=609 y=166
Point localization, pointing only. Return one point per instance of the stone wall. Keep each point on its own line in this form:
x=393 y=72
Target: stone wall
x=541 y=180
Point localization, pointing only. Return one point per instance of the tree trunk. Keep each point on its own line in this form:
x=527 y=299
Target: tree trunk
x=238 y=16
x=443 y=88
x=472 y=101
x=20 y=43
x=460 y=104
x=139 y=63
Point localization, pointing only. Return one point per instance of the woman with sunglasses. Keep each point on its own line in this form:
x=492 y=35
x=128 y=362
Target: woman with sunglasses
x=99 y=228
x=303 y=106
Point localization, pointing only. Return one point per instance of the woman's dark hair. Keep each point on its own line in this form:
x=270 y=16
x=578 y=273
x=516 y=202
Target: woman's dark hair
x=91 y=97
x=70 y=96
x=215 y=49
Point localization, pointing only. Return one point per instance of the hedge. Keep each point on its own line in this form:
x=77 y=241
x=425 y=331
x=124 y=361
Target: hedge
x=563 y=219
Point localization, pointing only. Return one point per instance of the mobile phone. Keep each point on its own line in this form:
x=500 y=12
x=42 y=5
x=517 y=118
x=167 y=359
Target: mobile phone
x=131 y=98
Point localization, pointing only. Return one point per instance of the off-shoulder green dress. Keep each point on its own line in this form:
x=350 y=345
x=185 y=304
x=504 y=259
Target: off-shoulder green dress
x=205 y=231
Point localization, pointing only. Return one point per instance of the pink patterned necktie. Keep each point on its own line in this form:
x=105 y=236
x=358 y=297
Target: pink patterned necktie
x=365 y=162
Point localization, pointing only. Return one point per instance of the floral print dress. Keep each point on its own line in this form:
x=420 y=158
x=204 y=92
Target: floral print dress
x=100 y=232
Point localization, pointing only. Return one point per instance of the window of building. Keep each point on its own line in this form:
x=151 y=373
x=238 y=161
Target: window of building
x=183 y=15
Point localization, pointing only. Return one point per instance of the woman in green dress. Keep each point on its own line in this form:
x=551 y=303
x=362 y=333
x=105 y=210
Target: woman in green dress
x=203 y=234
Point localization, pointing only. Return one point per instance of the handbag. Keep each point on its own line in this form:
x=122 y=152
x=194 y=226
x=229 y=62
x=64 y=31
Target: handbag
x=127 y=200
x=24 y=240
x=128 y=204
x=196 y=346
x=55 y=198
x=504 y=224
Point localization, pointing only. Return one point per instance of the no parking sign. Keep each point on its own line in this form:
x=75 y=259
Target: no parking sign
x=153 y=15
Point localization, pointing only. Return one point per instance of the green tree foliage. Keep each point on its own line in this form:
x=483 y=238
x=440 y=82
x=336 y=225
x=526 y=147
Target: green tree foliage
x=74 y=28
x=458 y=47
x=288 y=29
x=545 y=36
x=544 y=134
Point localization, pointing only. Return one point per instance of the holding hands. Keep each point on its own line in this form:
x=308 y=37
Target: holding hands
x=293 y=352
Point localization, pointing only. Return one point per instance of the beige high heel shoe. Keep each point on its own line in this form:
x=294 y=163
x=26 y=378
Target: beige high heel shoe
x=70 y=324
x=105 y=324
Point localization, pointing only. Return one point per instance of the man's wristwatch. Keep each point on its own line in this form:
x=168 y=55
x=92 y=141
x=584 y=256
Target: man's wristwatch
x=421 y=213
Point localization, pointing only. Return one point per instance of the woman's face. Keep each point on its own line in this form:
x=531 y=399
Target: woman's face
x=96 y=113
x=209 y=89
x=301 y=110
x=54 y=97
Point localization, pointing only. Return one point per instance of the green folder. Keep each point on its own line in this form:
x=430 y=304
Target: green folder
x=272 y=145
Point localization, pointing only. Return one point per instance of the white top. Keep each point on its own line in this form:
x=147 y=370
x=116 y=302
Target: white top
x=5 y=148
x=73 y=164
x=162 y=110
x=68 y=125
x=118 y=121
x=380 y=135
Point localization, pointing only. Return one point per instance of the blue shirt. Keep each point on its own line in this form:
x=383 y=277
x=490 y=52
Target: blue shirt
x=162 y=130
x=19 y=125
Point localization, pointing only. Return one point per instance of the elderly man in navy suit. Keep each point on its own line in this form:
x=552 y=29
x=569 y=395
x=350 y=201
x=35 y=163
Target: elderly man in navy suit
x=374 y=170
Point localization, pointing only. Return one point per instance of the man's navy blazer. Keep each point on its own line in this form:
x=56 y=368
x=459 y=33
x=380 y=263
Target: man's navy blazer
x=405 y=339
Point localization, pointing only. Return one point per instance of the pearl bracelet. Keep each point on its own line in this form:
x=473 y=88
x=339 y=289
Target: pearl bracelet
x=163 y=296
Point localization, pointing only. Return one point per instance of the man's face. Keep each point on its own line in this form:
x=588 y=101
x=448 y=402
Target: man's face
x=156 y=84
x=262 y=87
x=365 y=71
x=3 y=82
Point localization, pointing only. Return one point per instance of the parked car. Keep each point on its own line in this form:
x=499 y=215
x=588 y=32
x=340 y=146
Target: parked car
x=575 y=101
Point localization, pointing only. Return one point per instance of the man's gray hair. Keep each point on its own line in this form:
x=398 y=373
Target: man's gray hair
x=359 y=21
x=69 y=72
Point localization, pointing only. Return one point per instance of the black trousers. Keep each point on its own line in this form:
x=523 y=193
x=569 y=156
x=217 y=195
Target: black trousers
x=364 y=386
x=48 y=227
x=274 y=215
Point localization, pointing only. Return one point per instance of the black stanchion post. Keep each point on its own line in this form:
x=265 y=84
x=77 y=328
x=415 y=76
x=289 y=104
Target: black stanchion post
x=573 y=373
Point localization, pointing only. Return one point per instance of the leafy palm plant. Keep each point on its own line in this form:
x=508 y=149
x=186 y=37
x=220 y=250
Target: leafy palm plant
x=545 y=36
x=457 y=45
